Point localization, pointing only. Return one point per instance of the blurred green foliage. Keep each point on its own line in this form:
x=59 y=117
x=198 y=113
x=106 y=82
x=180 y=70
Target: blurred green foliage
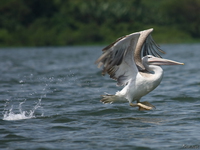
x=72 y=22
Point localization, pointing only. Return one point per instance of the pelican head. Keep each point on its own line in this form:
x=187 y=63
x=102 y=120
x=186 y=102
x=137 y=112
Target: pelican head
x=151 y=60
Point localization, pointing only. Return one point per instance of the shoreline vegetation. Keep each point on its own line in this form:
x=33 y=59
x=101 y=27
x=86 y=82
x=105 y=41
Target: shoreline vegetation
x=96 y=22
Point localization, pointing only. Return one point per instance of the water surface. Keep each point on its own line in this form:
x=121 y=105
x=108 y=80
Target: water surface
x=49 y=99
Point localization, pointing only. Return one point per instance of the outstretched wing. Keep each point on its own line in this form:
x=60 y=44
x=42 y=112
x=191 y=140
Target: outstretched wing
x=146 y=46
x=117 y=59
x=151 y=48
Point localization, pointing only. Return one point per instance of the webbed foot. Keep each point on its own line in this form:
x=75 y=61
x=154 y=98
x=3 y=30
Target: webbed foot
x=143 y=106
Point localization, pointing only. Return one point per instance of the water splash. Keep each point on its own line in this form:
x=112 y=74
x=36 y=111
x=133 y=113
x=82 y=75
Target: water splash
x=10 y=115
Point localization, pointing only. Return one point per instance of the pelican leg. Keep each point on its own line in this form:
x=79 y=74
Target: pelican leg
x=148 y=104
x=133 y=105
x=143 y=105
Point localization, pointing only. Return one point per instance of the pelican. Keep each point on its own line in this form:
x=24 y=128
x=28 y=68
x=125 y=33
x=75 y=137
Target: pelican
x=134 y=62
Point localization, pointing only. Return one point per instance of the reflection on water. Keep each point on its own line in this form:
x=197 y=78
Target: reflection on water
x=144 y=120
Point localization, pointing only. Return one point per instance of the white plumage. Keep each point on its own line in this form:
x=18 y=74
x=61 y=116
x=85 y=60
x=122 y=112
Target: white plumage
x=128 y=61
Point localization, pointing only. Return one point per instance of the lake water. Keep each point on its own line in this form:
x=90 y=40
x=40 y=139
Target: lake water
x=50 y=99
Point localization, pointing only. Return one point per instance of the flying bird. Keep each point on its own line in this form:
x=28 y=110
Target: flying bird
x=134 y=62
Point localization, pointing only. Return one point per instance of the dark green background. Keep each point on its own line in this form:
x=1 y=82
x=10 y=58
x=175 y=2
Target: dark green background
x=84 y=22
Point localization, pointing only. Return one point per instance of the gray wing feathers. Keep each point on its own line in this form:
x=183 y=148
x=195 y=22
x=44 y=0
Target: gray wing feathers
x=123 y=58
x=145 y=46
x=151 y=48
x=117 y=59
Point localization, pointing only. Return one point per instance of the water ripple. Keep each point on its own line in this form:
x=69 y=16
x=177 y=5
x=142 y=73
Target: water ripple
x=50 y=99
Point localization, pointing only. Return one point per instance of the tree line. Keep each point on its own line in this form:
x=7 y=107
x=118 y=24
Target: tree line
x=81 y=22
